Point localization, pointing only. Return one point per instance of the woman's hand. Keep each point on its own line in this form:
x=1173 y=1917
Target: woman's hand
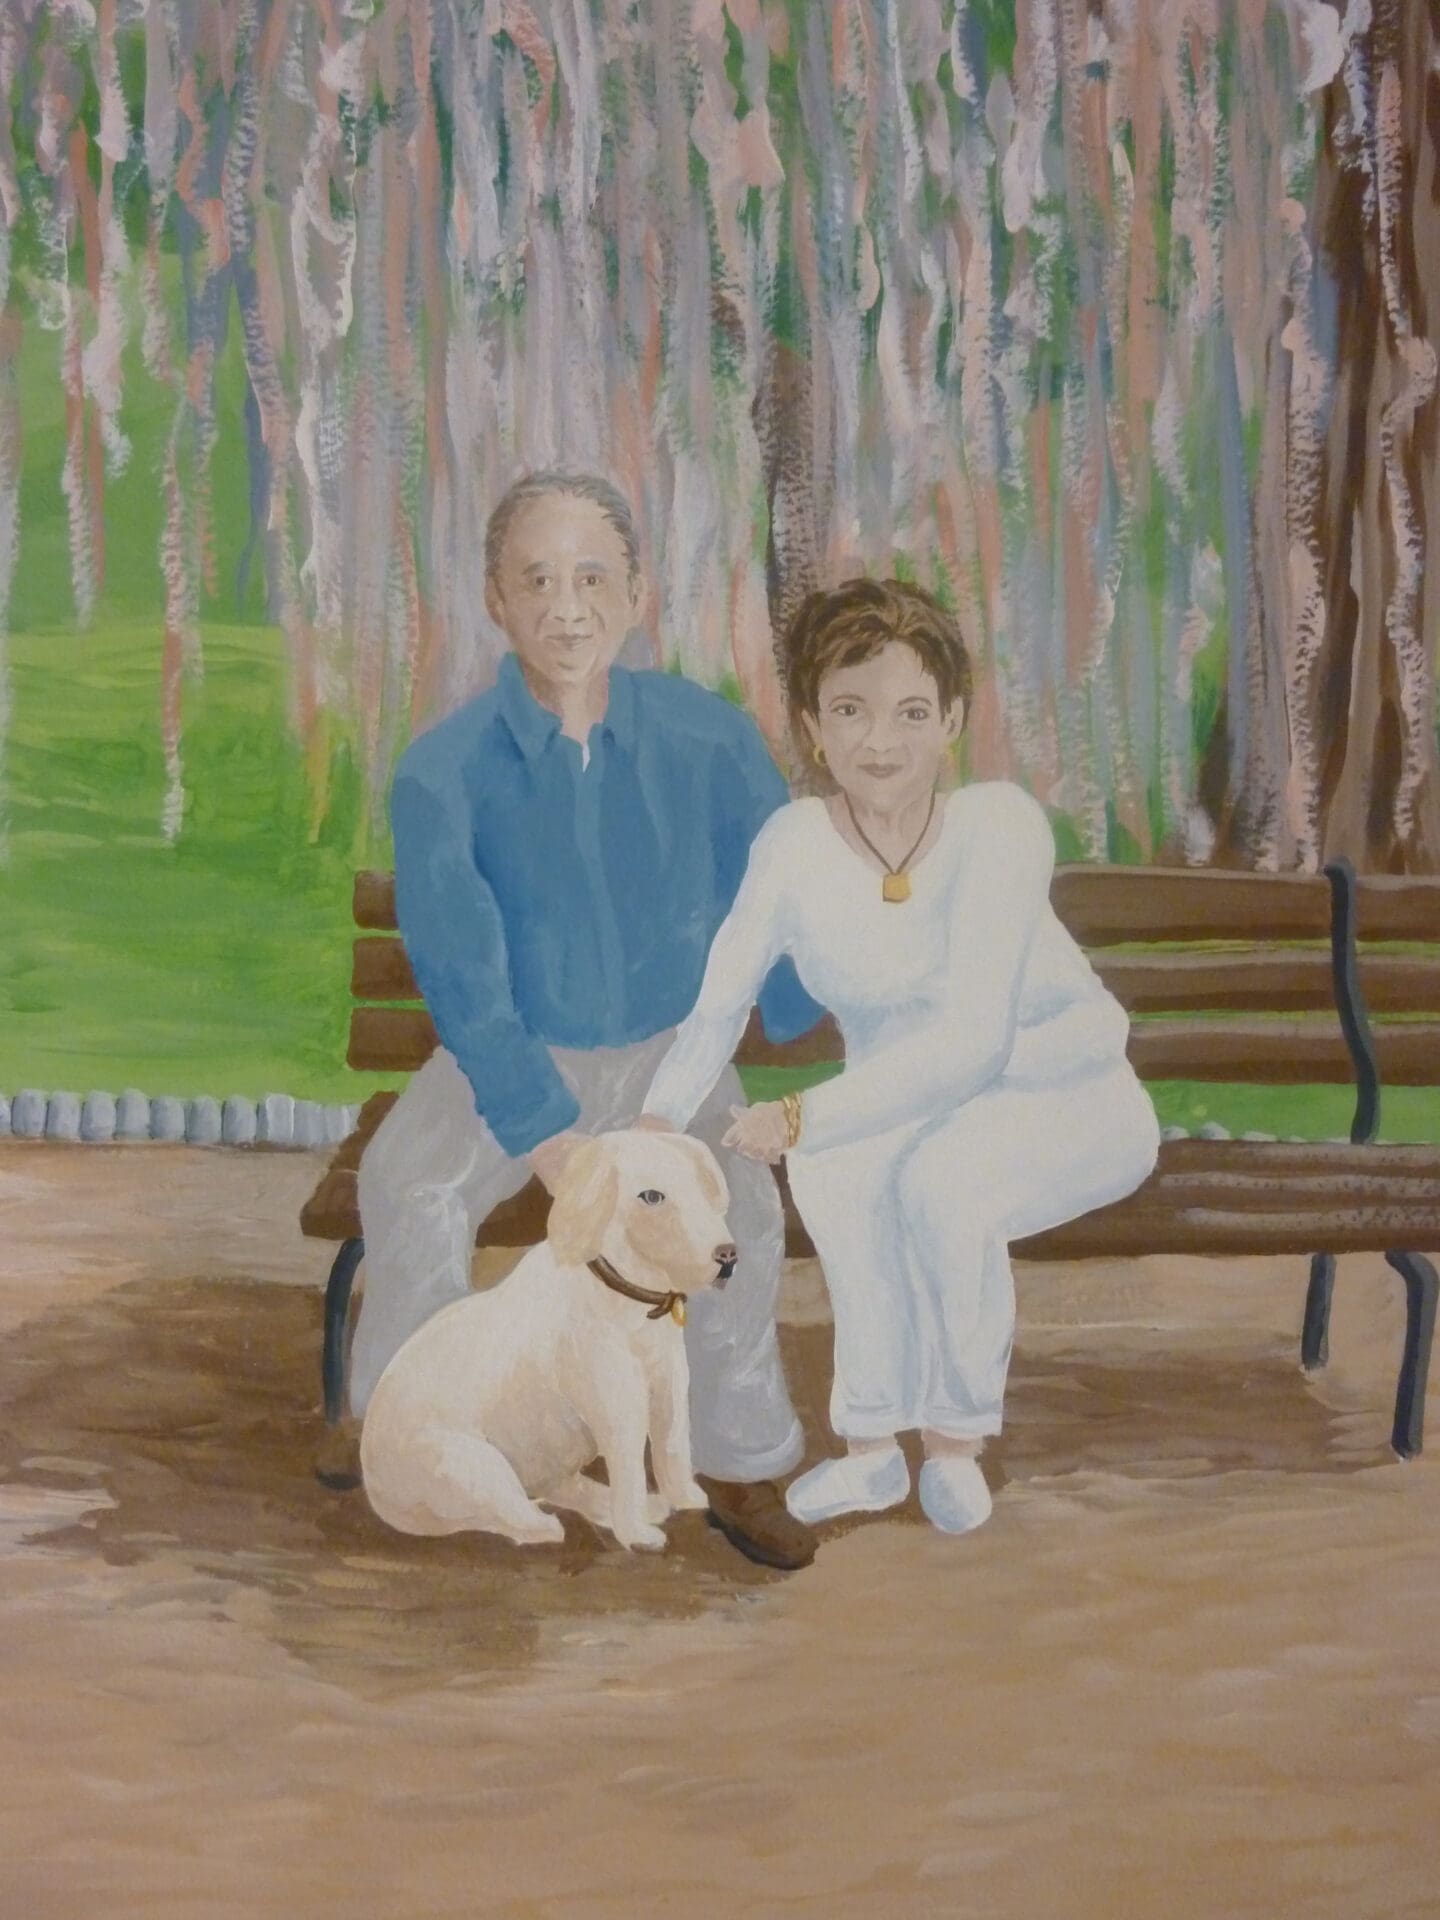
x=759 y=1132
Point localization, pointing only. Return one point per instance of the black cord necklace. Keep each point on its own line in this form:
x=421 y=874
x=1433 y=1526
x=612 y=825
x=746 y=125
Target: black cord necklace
x=895 y=887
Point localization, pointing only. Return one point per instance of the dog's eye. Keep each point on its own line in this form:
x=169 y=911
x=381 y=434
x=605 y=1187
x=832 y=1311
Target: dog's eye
x=651 y=1197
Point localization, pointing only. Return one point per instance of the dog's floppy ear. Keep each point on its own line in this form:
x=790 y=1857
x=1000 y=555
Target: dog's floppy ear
x=584 y=1203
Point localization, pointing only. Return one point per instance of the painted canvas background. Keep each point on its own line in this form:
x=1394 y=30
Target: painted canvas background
x=1115 y=324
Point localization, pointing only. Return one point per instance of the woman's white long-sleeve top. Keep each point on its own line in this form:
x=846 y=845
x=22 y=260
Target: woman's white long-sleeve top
x=973 y=978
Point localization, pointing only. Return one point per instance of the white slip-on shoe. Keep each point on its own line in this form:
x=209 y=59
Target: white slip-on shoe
x=855 y=1483
x=953 y=1493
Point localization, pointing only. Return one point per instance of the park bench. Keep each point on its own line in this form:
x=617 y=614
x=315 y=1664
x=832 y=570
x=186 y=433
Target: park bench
x=1260 y=978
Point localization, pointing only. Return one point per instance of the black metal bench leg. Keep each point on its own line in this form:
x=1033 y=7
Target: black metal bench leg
x=1315 y=1334
x=337 y=1321
x=1421 y=1286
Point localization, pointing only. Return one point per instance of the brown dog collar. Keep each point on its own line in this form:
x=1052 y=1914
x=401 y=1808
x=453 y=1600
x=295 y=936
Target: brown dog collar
x=659 y=1303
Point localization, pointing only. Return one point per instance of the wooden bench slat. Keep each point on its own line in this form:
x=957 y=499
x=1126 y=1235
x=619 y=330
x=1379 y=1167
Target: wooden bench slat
x=1103 y=906
x=332 y=1212
x=1147 y=1223
x=373 y=900
x=1141 y=1226
x=1259 y=1052
x=1279 y=1159
x=1280 y=1053
x=400 y=1039
x=390 y=1039
x=1255 y=1192
x=348 y=1153
x=822 y=1046
x=380 y=969
x=1273 y=980
x=1204 y=1197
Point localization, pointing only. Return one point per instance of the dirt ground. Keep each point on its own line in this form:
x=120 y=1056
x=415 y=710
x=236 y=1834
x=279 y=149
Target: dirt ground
x=1191 y=1667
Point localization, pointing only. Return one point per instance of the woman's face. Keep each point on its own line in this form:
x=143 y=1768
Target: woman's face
x=883 y=728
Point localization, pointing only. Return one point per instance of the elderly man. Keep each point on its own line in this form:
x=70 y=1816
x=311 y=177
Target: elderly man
x=565 y=847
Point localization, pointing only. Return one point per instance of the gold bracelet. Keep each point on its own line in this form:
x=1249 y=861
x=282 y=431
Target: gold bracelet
x=793 y=1116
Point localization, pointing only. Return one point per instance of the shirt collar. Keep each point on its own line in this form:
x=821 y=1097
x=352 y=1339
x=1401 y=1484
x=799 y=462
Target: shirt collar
x=534 y=726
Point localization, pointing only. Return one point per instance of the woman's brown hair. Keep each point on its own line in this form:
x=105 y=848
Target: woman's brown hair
x=841 y=626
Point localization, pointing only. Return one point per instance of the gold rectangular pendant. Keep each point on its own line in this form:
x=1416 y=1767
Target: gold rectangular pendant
x=895 y=887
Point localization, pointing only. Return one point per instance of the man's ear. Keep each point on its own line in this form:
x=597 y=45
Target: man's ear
x=494 y=602
x=584 y=1204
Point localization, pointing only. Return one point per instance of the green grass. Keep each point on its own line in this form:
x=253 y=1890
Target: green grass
x=216 y=965
x=1310 y=1113
x=219 y=964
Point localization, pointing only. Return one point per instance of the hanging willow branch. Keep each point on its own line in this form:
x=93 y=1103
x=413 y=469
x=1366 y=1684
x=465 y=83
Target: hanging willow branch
x=1054 y=305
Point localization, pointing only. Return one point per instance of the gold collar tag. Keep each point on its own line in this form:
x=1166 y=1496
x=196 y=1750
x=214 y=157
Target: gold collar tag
x=677 y=1309
x=895 y=888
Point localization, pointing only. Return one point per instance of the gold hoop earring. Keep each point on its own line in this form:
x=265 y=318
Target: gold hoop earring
x=820 y=759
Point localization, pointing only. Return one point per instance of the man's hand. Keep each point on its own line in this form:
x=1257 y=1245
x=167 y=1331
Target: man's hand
x=759 y=1133
x=549 y=1158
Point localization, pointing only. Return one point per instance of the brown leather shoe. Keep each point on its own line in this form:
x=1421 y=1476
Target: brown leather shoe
x=753 y=1517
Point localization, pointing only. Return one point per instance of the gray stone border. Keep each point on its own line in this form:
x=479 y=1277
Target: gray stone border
x=1212 y=1130
x=278 y=1120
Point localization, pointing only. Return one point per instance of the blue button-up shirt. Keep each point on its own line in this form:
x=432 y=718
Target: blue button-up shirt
x=547 y=900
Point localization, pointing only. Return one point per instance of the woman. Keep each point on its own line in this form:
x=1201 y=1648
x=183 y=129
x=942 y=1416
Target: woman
x=986 y=1094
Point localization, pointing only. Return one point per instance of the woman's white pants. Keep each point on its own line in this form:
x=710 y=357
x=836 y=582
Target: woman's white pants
x=434 y=1172
x=913 y=1229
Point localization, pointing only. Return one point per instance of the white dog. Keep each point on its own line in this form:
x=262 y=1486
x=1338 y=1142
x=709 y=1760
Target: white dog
x=497 y=1403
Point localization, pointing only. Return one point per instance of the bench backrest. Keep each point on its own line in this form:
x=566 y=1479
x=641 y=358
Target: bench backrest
x=1236 y=981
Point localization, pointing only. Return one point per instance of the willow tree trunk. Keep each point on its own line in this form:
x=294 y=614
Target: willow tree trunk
x=1378 y=216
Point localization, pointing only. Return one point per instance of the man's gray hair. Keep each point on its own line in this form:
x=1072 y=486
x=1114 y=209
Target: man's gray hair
x=580 y=486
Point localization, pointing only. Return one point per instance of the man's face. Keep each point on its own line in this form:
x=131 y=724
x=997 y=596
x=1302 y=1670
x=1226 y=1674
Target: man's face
x=563 y=592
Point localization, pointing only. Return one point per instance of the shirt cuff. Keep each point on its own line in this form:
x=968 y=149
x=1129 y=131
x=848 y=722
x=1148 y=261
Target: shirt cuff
x=518 y=1130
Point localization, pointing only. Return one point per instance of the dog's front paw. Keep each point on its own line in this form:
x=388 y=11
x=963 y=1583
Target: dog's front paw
x=649 y=1539
x=689 y=1497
